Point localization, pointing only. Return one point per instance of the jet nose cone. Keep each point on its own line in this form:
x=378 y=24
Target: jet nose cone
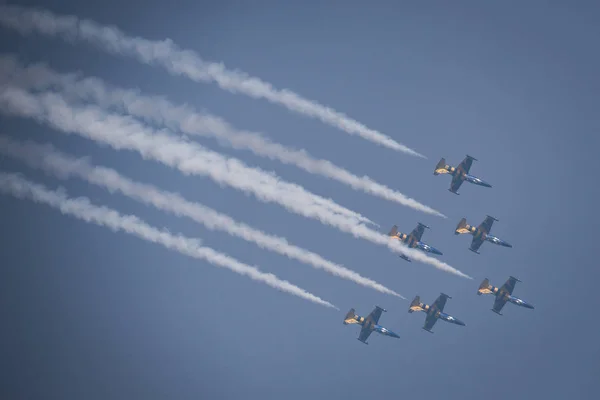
x=528 y=306
x=394 y=335
x=459 y=322
x=431 y=249
x=486 y=184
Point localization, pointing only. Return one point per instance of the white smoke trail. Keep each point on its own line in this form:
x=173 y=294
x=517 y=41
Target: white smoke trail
x=52 y=161
x=190 y=158
x=183 y=62
x=94 y=122
x=158 y=109
x=81 y=208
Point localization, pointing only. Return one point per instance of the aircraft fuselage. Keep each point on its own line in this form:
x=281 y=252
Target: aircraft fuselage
x=508 y=297
x=496 y=240
x=374 y=327
x=436 y=313
x=443 y=168
x=449 y=318
x=417 y=244
x=475 y=180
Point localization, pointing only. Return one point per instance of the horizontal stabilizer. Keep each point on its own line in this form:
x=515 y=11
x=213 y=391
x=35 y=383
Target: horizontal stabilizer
x=441 y=167
x=350 y=317
x=485 y=287
x=415 y=305
x=393 y=231
x=462 y=227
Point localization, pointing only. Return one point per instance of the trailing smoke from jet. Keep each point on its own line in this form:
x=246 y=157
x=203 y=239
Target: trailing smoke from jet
x=183 y=118
x=190 y=158
x=82 y=209
x=51 y=161
x=183 y=63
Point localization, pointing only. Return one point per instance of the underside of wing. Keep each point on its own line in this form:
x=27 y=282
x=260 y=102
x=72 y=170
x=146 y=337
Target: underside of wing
x=417 y=233
x=486 y=225
x=509 y=285
x=499 y=304
x=374 y=316
x=456 y=183
x=439 y=303
x=429 y=322
x=365 y=332
x=465 y=165
x=476 y=243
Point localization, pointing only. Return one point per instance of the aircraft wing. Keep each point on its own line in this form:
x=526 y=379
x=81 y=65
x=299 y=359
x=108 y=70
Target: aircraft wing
x=374 y=316
x=476 y=243
x=430 y=322
x=509 y=285
x=439 y=303
x=365 y=332
x=457 y=181
x=499 y=304
x=486 y=225
x=465 y=165
x=417 y=233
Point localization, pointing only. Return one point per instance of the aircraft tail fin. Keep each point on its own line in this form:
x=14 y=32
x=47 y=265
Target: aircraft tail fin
x=485 y=287
x=415 y=305
x=462 y=227
x=393 y=231
x=441 y=167
x=350 y=317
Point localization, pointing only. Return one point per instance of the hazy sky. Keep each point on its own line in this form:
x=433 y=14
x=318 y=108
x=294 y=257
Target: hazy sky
x=92 y=314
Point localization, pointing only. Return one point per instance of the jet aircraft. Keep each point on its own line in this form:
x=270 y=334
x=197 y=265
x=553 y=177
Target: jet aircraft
x=413 y=240
x=480 y=234
x=369 y=324
x=434 y=312
x=503 y=294
x=459 y=174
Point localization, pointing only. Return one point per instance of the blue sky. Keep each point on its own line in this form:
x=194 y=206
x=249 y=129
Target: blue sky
x=88 y=313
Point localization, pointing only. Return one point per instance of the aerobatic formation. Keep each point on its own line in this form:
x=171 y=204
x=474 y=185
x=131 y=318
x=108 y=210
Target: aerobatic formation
x=480 y=234
x=71 y=104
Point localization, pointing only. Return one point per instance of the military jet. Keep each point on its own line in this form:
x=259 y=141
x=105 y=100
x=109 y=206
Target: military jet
x=503 y=294
x=459 y=174
x=480 y=234
x=368 y=324
x=413 y=240
x=434 y=312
